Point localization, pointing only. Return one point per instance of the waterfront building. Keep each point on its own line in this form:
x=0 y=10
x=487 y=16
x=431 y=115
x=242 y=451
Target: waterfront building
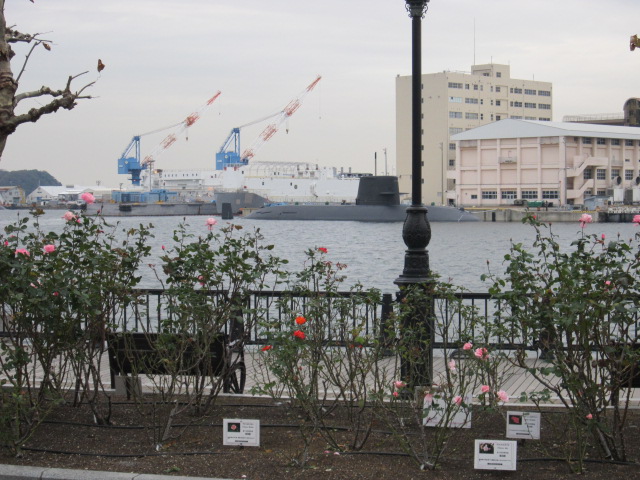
x=506 y=162
x=11 y=195
x=454 y=102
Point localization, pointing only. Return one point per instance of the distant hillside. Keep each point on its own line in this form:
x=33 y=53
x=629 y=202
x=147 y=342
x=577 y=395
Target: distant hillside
x=29 y=180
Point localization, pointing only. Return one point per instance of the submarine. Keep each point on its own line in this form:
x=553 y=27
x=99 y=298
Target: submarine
x=378 y=200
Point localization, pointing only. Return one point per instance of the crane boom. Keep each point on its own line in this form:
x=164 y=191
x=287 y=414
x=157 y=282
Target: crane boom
x=283 y=115
x=129 y=162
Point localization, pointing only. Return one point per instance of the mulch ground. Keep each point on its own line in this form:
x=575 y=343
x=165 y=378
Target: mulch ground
x=70 y=439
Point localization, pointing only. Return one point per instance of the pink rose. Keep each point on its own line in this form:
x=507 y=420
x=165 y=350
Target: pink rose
x=502 y=395
x=589 y=416
x=467 y=346
x=88 y=197
x=584 y=219
x=481 y=353
x=395 y=394
x=69 y=216
x=49 y=248
x=22 y=251
x=485 y=388
x=428 y=397
x=457 y=400
x=211 y=222
x=452 y=365
x=399 y=384
x=636 y=219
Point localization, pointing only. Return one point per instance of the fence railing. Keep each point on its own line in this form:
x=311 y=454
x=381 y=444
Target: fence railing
x=150 y=309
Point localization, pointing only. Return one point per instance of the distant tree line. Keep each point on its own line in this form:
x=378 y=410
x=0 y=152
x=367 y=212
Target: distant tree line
x=29 y=180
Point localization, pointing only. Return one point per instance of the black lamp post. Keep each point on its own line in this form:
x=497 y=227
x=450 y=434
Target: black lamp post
x=416 y=231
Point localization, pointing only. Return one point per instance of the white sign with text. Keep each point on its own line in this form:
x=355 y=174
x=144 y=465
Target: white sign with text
x=495 y=454
x=241 y=432
x=434 y=412
x=523 y=425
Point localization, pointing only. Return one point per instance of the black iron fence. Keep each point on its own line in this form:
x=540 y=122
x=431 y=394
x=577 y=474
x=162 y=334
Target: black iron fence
x=458 y=319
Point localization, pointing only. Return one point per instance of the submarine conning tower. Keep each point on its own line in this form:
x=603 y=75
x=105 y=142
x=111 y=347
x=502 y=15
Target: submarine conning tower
x=378 y=190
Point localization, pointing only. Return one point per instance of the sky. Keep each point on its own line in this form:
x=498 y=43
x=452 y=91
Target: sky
x=164 y=59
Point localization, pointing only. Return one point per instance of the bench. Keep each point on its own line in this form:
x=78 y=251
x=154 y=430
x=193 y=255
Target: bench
x=133 y=353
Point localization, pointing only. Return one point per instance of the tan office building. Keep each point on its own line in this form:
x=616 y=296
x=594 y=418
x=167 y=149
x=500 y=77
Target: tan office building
x=453 y=102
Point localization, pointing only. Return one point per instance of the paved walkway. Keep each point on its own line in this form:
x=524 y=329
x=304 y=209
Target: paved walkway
x=17 y=472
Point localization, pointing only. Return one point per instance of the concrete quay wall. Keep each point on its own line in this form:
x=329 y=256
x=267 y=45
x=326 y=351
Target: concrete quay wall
x=547 y=216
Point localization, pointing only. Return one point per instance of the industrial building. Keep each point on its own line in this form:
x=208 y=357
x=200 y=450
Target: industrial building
x=454 y=102
x=512 y=161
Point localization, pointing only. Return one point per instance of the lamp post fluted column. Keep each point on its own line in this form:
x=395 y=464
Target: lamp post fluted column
x=416 y=232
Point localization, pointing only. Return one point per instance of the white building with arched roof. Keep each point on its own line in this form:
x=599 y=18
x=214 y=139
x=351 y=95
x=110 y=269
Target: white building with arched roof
x=505 y=162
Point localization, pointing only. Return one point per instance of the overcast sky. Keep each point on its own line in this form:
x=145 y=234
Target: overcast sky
x=164 y=59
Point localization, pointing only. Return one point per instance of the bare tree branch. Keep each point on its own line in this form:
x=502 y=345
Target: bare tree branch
x=26 y=60
x=9 y=98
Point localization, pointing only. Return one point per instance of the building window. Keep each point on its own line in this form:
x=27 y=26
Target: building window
x=475 y=87
x=530 y=194
x=454 y=130
x=601 y=141
x=497 y=103
x=482 y=101
x=601 y=174
x=498 y=117
x=628 y=143
x=471 y=100
x=489 y=194
x=471 y=116
x=615 y=141
x=587 y=174
x=530 y=118
x=497 y=89
x=586 y=140
x=615 y=173
x=509 y=194
x=528 y=91
x=544 y=119
x=498 y=74
x=628 y=174
x=452 y=162
x=482 y=116
x=455 y=85
x=549 y=194
x=588 y=192
x=544 y=93
x=452 y=146
x=455 y=114
x=544 y=106
x=602 y=193
x=474 y=197
x=516 y=104
x=455 y=99
x=516 y=117
x=516 y=90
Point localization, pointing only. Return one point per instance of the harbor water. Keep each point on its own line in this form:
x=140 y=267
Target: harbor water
x=373 y=252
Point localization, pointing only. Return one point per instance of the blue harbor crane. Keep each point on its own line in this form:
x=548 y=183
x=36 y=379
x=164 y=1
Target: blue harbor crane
x=130 y=162
x=229 y=154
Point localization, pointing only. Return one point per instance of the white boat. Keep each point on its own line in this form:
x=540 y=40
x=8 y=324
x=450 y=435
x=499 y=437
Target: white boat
x=257 y=183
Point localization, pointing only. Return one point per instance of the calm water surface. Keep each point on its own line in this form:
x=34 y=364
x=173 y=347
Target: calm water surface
x=374 y=252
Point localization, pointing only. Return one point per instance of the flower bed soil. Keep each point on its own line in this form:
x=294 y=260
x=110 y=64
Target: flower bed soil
x=69 y=440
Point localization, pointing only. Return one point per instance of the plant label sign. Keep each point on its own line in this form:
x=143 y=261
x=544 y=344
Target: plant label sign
x=434 y=411
x=495 y=455
x=523 y=425
x=241 y=432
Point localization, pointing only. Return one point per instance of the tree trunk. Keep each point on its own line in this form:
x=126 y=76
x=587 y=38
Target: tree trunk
x=8 y=85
